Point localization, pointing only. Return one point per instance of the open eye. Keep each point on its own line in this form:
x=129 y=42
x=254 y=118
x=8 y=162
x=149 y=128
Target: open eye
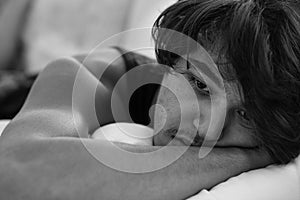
x=196 y=83
x=201 y=86
x=243 y=114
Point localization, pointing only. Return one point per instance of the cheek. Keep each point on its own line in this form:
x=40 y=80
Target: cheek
x=166 y=110
x=175 y=96
x=237 y=135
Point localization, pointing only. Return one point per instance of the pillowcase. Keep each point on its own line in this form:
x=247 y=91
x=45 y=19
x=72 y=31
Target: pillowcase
x=270 y=183
x=3 y=124
x=129 y=133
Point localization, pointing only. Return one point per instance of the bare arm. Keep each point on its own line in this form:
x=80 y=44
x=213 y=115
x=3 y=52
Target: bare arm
x=42 y=156
x=63 y=168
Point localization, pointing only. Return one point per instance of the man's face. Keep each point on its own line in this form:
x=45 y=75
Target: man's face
x=203 y=104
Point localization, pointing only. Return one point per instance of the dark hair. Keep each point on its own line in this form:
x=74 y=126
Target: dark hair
x=261 y=40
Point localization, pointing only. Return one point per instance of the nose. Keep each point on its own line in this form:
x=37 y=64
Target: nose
x=210 y=122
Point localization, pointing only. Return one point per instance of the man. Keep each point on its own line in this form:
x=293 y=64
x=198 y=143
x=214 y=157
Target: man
x=255 y=44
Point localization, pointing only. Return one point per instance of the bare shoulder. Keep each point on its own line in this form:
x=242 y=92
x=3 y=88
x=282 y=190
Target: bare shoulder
x=107 y=59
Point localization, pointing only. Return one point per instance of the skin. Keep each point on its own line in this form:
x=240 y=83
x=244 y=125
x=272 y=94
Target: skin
x=235 y=131
x=42 y=156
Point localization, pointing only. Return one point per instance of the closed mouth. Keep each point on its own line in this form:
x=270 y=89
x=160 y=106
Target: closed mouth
x=238 y=147
x=199 y=141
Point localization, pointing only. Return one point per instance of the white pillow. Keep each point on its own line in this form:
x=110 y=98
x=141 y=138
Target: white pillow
x=129 y=133
x=3 y=124
x=271 y=183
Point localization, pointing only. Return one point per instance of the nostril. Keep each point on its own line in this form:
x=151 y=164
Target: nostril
x=197 y=140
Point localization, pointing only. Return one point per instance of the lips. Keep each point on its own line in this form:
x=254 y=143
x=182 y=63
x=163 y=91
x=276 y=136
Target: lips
x=187 y=139
x=175 y=138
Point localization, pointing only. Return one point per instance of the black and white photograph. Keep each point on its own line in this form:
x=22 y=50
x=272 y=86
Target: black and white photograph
x=149 y=99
